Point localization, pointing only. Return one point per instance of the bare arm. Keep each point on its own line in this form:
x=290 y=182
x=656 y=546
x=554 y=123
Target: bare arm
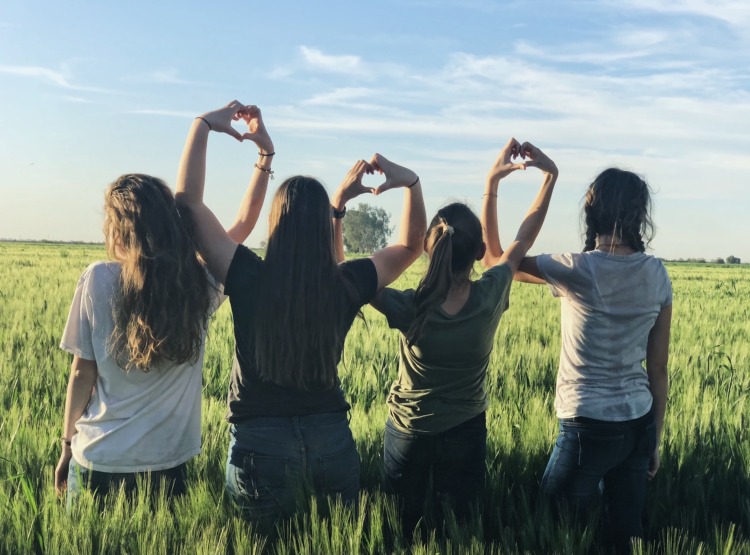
x=503 y=167
x=214 y=244
x=657 y=357
x=255 y=194
x=391 y=261
x=350 y=187
x=532 y=222
x=82 y=380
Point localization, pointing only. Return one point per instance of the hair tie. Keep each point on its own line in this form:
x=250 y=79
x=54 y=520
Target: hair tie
x=448 y=229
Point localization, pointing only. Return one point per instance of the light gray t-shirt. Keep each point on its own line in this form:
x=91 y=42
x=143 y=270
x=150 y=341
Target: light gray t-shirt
x=609 y=304
x=135 y=421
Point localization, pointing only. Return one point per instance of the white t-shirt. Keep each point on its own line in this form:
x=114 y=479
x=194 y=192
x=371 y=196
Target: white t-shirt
x=609 y=305
x=135 y=421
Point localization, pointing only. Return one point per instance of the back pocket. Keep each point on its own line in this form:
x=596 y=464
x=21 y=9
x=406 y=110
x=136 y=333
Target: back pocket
x=599 y=452
x=264 y=475
x=339 y=473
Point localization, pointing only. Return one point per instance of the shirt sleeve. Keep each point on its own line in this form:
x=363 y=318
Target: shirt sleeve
x=397 y=307
x=495 y=284
x=667 y=289
x=76 y=338
x=562 y=272
x=361 y=273
x=243 y=270
x=215 y=292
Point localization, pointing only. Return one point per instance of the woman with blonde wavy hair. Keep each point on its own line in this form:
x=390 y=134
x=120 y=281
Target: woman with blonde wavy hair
x=137 y=330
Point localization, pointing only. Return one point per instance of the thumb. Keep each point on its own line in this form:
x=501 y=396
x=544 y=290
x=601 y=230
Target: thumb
x=382 y=188
x=234 y=133
x=521 y=166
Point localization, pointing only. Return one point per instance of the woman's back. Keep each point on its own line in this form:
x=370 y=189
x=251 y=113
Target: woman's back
x=252 y=395
x=441 y=376
x=135 y=420
x=609 y=305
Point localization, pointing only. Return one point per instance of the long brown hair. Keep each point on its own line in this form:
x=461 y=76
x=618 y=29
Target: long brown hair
x=618 y=203
x=454 y=240
x=297 y=328
x=161 y=307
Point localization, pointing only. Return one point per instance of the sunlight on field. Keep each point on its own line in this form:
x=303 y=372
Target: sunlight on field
x=700 y=501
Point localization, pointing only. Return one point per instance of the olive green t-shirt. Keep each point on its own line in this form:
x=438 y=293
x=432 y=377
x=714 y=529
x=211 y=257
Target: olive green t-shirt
x=441 y=378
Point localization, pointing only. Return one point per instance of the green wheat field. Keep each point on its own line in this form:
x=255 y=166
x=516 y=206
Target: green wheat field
x=698 y=503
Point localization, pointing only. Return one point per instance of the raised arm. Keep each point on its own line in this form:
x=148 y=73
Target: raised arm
x=83 y=373
x=532 y=222
x=391 y=261
x=351 y=187
x=503 y=167
x=255 y=194
x=657 y=357
x=214 y=244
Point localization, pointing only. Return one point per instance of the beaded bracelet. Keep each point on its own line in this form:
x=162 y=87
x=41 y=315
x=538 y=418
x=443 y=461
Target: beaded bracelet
x=269 y=171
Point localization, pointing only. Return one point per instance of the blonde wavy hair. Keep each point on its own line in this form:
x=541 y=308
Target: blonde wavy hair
x=161 y=307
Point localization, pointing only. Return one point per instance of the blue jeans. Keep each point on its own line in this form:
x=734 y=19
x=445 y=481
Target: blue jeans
x=589 y=453
x=456 y=458
x=274 y=463
x=102 y=483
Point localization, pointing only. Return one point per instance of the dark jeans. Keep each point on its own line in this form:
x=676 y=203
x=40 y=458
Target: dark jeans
x=591 y=452
x=456 y=458
x=102 y=483
x=274 y=463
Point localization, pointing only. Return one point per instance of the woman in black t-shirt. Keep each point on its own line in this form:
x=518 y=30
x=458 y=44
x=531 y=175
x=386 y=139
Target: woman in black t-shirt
x=291 y=313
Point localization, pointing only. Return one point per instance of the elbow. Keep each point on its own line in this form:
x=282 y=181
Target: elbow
x=414 y=253
x=183 y=198
x=488 y=262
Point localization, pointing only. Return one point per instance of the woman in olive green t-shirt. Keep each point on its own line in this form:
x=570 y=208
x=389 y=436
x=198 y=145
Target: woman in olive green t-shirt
x=437 y=405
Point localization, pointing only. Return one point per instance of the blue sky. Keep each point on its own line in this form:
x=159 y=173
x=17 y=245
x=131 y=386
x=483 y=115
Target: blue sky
x=91 y=90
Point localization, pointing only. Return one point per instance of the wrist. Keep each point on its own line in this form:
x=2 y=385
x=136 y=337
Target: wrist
x=200 y=121
x=550 y=177
x=339 y=200
x=492 y=185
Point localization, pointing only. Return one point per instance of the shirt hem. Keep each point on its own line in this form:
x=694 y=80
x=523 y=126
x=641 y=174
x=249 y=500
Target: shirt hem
x=127 y=469
x=593 y=415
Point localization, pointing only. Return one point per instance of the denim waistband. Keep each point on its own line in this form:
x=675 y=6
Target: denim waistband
x=321 y=419
x=594 y=423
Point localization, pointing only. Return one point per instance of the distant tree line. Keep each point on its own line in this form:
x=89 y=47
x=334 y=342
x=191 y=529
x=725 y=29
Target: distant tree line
x=731 y=259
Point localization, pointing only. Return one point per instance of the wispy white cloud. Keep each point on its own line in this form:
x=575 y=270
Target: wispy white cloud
x=337 y=96
x=645 y=117
x=164 y=76
x=160 y=112
x=76 y=99
x=346 y=64
x=54 y=77
x=733 y=12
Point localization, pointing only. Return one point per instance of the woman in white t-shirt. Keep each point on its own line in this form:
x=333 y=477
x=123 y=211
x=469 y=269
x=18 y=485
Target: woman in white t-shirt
x=616 y=312
x=136 y=330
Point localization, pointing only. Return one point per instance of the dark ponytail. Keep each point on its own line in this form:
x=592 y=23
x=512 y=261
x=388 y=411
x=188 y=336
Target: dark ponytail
x=618 y=203
x=454 y=240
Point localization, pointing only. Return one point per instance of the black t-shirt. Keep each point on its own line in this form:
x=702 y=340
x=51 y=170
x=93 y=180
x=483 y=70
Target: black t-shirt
x=249 y=396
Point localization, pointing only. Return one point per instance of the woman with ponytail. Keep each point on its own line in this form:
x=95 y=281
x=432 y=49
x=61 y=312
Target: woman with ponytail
x=436 y=407
x=616 y=305
x=137 y=330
